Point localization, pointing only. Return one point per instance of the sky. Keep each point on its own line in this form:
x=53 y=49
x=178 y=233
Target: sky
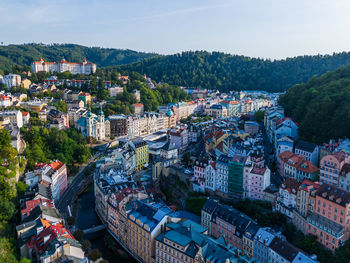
x=258 y=28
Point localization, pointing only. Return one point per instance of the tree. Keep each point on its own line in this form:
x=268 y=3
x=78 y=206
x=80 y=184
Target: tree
x=79 y=234
x=61 y=106
x=259 y=116
x=86 y=244
x=186 y=159
x=94 y=254
x=70 y=220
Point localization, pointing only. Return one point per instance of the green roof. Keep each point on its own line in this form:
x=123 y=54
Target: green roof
x=177 y=238
x=196 y=227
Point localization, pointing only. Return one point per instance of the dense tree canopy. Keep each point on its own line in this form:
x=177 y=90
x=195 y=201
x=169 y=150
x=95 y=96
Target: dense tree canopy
x=9 y=165
x=232 y=72
x=44 y=145
x=321 y=106
x=23 y=55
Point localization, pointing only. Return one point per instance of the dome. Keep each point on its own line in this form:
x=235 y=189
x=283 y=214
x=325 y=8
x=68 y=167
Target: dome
x=170 y=113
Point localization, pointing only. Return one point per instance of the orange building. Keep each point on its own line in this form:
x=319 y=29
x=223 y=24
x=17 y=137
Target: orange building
x=330 y=221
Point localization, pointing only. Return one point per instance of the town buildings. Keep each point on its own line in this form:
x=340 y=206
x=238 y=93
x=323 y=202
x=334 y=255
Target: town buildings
x=287 y=197
x=12 y=80
x=305 y=205
x=296 y=166
x=109 y=179
x=330 y=221
x=138 y=108
x=118 y=125
x=145 y=223
x=256 y=180
x=330 y=167
x=216 y=111
x=186 y=241
x=14 y=117
x=5 y=101
x=141 y=153
x=309 y=150
x=91 y=125
x=179 y=136
x=58 y=119
x=50 y=178
x=85 y=67
x=198 y=180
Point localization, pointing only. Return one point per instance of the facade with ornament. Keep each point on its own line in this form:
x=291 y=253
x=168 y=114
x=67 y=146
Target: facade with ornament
x=85 y=67
x=92 y=125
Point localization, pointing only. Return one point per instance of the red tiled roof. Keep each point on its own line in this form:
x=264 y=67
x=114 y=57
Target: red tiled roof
x=31 y=204
x=285 y=155
x=37 y=243
x=290 y=184
x=308 y=185
x=138 y=105
x=3 y=97
x=230 y=102
x=340 y=156
x=333 y=194
x=25 y=113
x=220 y=146
x=258 y=170
x=56 y=164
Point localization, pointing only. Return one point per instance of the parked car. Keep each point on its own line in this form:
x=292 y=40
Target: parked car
x=187 y=171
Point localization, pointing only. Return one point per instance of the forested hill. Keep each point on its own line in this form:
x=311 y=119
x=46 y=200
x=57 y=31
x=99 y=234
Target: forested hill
x=321 y=106
x=231 y=72
x=20 y=55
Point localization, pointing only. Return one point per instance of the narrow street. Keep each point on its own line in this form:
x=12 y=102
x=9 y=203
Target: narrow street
x=275 y=178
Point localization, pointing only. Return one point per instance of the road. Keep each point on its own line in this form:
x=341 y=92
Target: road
x=68 y=196
x=276 y=179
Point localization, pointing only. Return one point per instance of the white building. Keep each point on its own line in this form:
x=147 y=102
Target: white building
x=92 y=125
x=210 y=176
x=5 y=101
x=15 y=117
x=115 y=90
x=287 y=197
x=222 y=174
x=309 y=150
x=12 y=80
x=74 y=68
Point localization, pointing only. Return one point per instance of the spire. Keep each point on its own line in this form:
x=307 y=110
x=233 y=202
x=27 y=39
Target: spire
x=100 y=112
x=89 y=113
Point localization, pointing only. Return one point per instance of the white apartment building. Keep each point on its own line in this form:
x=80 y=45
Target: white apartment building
x=12 y=80
x=85 y=67
x=15 y=117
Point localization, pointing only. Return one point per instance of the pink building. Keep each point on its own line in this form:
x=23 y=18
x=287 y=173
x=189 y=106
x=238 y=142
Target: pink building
x=330 y=221
x=138 y=108
x=330 y=167
x=58 y=179
x=256 y=180
x=198 y=180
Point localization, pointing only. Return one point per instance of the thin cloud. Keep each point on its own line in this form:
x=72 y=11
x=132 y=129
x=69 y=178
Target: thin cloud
x=178 y=12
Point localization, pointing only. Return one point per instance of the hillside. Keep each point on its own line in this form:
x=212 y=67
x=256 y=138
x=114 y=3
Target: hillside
x=321 y=106
x=231 y=72
x=20 y=55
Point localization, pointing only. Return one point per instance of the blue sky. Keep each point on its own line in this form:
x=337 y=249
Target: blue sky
x=257 y=28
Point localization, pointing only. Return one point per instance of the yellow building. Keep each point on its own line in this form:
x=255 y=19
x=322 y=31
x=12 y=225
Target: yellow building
x=142 y=154
x=145 y=223
x=26 y=83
